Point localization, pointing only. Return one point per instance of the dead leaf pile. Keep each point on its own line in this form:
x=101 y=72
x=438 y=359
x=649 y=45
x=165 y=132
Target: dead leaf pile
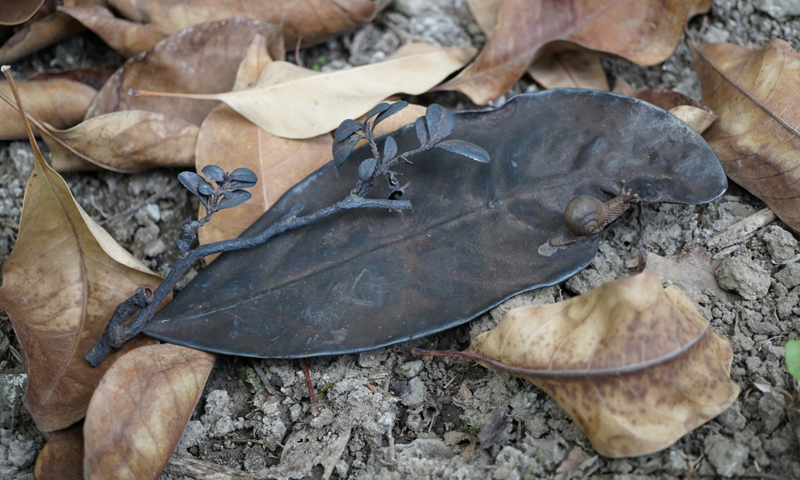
x=635 y=365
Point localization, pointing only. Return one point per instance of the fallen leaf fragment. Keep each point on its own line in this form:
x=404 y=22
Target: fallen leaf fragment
x=94 y=76
x=485 y=14
x=61 y=457
x=697 y=118
x=60 y=285
x=313 y=20
x=572 y=69
x=37 y=35
x=14 y=12
x=140 y=409
x=62 y=103
x=635 y=365
x=691 y=279
x=754 y=92
x=666 y=99
x=127 y=38
x=201 y=59
x=644 y=32
x=313 y=103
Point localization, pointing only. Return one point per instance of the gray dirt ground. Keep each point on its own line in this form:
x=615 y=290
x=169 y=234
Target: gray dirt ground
x=384 y=414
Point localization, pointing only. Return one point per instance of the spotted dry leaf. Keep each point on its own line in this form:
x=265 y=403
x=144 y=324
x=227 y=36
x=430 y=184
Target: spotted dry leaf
x=754 y=92
x=635 y=365
x=61 y=457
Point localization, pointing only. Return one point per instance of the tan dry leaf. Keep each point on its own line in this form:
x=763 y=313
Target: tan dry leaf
x=37 y=35
x=314 y=20
x=62 y=455
x=139 y=411
x=128 y=141
x=635 y=365
x=293 y=102
x=572 y=69
x=485 y=14
x=201 y=59
x=62 y=103
x=697 y=118
x=642 y=31
x=14 y=12
x=61 y=283
x=756 y=138
x=127 y=38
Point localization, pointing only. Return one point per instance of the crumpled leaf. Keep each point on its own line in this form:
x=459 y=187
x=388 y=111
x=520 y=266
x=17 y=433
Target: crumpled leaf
x=62 y=103
x=642 y=31
x=139 y=411
x=666 y=99
x=571 y=69
x=202 y=59
x=319 y=102
x=60 y=285
x=14 y=12
x=470 y=241
x=38 y=34
x=697 y=118
x=756 y=136
x=636 y=366
x=127 y=38
x=61 y=457
x=314 y=20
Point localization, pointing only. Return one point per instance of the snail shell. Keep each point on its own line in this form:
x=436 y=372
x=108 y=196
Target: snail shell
x=584 y=215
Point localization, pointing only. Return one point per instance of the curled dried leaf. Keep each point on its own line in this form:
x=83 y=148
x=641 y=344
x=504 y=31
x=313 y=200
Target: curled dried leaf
x=61 y=457
x=127 y=38
x=38 y=34
x=61 y=103
x=143 y=403
x=635 y=365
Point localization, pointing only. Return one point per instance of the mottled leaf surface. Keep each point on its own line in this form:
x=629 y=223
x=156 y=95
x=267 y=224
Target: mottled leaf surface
x=61 y=457
x=360 y=280
x=755 y=95
x=635 y=366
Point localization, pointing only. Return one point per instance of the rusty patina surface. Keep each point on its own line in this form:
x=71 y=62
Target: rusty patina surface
x=365 y=279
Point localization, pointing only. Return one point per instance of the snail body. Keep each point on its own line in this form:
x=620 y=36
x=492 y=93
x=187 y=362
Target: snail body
x=585 y=215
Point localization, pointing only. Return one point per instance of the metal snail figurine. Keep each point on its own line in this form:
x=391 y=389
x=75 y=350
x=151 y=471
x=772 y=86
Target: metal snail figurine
x=585 y=216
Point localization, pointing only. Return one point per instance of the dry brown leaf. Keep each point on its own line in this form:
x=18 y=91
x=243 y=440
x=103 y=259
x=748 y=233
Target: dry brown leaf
x=697 y=118
x=485 y=14
x=139 y=411
x=62 y=455
x=60 y=284
x=666 y=99
x=37 y=35
x=62 y=103
x=635 y=365
x=94 y=76
x=574 y=69
x=14 y=12
x=314 y=20
x=127 y=38
x=202 y=59
x=643 y=31
x=313 y=103
x=756 y=137
x=128 y=141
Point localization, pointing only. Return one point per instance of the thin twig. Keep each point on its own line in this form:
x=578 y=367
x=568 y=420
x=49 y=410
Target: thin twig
x=311 y=396
x=14 y=226
x=297 y=58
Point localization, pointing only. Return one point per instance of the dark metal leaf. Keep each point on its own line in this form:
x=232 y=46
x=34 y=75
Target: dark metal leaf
x=396 y=107
x=366 y=169
x=205 y=188
x=422 y=130
x=466 y=149
x=342 y=149
x=233 y=198
x=213 y=172
x=379 y=108
x=195 y=184
x=243 y=178
x=441 y=122
x=346 y=128
x=389 y=148
x=363 y=279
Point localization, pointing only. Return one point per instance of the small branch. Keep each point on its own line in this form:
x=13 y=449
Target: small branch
x=742 y=230
x=191 y=467
x=136 y=207
x=311 y=397
x=14 y=226
x=117 y=333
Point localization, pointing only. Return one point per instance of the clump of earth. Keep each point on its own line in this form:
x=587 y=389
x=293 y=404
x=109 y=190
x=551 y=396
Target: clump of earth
x=387 y=415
